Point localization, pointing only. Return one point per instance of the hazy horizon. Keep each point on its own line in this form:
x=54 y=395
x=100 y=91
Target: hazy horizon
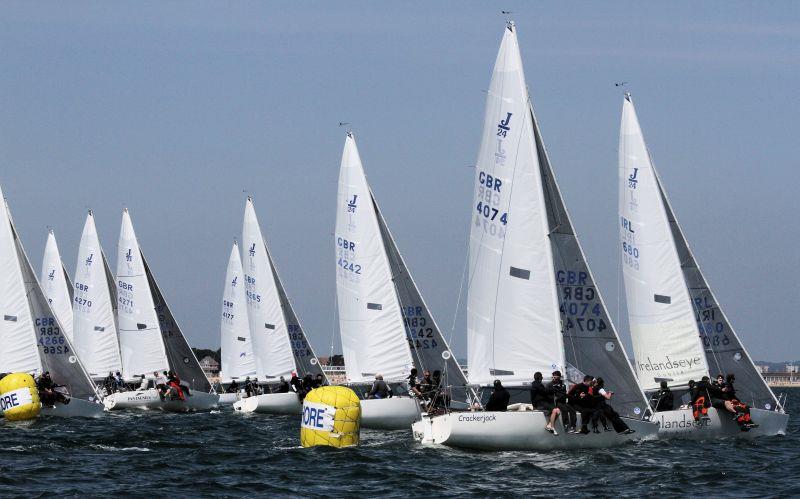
x=178 y=111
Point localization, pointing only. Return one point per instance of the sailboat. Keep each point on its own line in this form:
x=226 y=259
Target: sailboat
x=533 y=304
x=678 y=328
x=32 y=337
x=149 y=337
x=280 y=346
x=385 y=326
x=56 y=285
x=94 y=306
x=238 y=361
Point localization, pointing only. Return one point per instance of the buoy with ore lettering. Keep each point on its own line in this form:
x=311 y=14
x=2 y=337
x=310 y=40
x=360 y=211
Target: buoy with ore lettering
x=19 y=398
x=331 y=416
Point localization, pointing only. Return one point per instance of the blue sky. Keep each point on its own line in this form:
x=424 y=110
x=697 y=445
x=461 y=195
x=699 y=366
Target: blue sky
x=173 y=109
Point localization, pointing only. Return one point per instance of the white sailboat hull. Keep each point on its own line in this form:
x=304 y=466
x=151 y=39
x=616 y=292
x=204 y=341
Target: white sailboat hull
x=270 y=403
x=77 y=408
x=149 y=399
x=517 y=431
x=228 y=398
x=396 y=413
x=679 y=423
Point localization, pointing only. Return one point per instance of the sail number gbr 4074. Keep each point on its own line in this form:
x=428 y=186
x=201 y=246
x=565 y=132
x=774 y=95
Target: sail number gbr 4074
x=489 y=216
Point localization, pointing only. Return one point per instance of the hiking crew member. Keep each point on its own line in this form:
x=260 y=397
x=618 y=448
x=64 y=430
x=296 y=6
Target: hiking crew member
x=379 y=390
x=663 y=400
x=47 y=391
x=542 y=399
x=604 y=408
x=579 y=398
x=741 y=410
x=296 y=384
x=248 y=387
x=498 y=401
x=233 y=387
x=319 y=380
x=413 y=382
x=701 y=399
x=109 y=383
x=559 y=392
x=161 y=383
x=283 y=386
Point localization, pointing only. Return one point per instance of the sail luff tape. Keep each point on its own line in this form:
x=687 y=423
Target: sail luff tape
x=331 y=417
x=19 y=398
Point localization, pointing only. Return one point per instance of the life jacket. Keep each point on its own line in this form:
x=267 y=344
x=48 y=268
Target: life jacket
x=699 y=407
x=742 y=411
x=178 y=389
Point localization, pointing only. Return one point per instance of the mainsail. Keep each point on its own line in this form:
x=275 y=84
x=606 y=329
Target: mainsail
x=371 y=323
x=180 y=356
x=238 y=361
x=304 y=357
x=31 y=336
x=141 y=346
x=666 y=340
x=56 y=285
x=268 y=325
x=94 y=306
x=513 y=322
x=591 y=343
x=429 y=348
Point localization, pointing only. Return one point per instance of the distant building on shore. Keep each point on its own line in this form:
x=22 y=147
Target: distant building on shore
x=210 y=366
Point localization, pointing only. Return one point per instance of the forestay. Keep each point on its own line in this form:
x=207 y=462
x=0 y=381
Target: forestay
x=238 y=361
x=273 y=352
x=513 y=321
x=665 y=337
x=141 y=346
x=56 y=286
x=428 y=346
x=180 y=357
x=370 y=321
x=94 y=306
x=591 y=343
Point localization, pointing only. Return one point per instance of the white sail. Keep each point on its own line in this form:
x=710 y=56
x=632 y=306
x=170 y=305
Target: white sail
x=238 y=361
x=666 y=340
x=141 y=346
x=18 y=342
x=95 y=329
x=370 y=321
x=56 y=286
x=273 y=352
x=513 y=322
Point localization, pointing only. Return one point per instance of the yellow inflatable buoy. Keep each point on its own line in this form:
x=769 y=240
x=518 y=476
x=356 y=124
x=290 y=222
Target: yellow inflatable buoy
x=331 y=416
x=19 y=398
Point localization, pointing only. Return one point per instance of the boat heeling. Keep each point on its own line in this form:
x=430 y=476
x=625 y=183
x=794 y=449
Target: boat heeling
x=518 y=430
x=149 y=399
x=679 y=423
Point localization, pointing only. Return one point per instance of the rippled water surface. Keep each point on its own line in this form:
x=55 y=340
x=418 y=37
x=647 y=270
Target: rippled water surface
x=225 y=454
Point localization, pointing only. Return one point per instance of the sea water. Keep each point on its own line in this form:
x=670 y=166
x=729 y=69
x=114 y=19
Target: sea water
x=228 y=454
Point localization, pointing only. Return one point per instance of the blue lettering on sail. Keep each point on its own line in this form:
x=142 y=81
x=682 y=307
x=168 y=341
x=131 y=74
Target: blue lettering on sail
x=632 y=181
x=504 y=126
